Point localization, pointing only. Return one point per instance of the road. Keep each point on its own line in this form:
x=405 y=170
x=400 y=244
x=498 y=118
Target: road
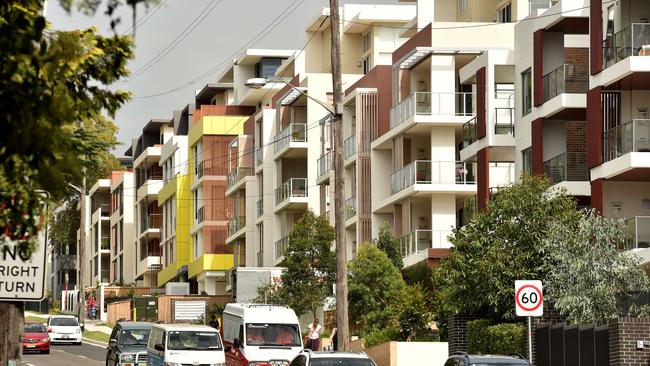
x=68 y=355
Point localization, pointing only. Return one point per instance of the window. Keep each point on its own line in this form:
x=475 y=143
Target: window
x=365 y=65
x=195 y=241
x=365 y=41
x=526 y=92
x=527 y=161
x=504 y=15
x=267 y=66
x=462 y=6
x=299 y=361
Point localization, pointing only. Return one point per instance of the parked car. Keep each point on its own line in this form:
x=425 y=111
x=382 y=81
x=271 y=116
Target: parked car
x=463 y=359
x=184 y=344
x=64 y=329
x=309 y=358
x=127 y=344
x=36 y=338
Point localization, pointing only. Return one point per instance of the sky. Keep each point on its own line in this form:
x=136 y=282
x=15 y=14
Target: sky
x=226 y=26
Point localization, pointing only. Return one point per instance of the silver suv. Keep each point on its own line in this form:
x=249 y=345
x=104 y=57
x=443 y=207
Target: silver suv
x=463 y=359
x=309 y=358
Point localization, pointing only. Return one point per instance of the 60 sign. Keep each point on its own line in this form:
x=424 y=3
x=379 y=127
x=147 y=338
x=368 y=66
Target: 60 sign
x=529 y=298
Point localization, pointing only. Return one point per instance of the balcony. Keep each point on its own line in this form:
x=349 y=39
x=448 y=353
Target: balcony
x=638 y=233
x=429 y=172
x=535 y=5
x=294 y=190
x=104 y=275
x=104 y=210
x=349 y=147
x=199 y=215
x=633 y=136
x=469 y=133
x=504 y=121
x=235 y=225
x=260 y=207
x=567 y=167
x=105 y=242
x=281 y=247
x=430 y=104
x=293 y=136
x=259 y=156
x=420 y=240
x=260 y=259
x=324 y=167
x=571 y=79
x=150 y=222
x=631 y=41
x=350 y=207
x=237 y=175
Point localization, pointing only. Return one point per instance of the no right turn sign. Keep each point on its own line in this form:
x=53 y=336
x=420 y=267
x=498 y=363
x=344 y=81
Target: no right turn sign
x=529 y=298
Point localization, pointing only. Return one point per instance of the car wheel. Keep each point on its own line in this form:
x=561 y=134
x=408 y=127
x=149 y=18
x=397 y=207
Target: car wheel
x=79 y=344
x=47 y=351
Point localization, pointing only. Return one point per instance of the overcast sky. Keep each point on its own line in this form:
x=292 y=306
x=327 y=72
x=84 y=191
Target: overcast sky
x=227 y=28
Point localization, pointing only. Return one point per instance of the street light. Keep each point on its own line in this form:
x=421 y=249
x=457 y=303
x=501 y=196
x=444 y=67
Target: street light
x=259 y=83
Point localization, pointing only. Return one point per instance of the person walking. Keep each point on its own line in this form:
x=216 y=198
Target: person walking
x=214 y=323
x=334 y=340
x=313 y=335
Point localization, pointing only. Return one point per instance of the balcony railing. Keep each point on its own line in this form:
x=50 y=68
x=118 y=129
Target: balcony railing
x=281 y=247
x=105 y=212
x=199 y=215
x=427 y=103
x=469 y=132
x=349 y=147
x=293 y=187
x=238 y=174
x=199 y=170
x=638 y=233
x=567 y=78
x=567 y=167
x=350 y=207
x=419 y=240
x=260 y=259
x=470 y=209
x=631 y=41
x=235 y=224
x=260 y=207
x=259 y=155
x=325 y=164
x=105 y=242
x=633 y=136
x=431 y=172
x=295 y=132
x=535 y=5
x=504 y=121
x=105 y=274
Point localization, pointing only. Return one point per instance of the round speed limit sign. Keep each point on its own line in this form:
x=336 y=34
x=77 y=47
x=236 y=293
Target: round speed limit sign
x=529 y=298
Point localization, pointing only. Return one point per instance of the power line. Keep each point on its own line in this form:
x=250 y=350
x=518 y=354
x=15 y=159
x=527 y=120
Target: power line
x=146 y=16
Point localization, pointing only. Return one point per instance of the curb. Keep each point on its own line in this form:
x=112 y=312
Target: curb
x=93 y=342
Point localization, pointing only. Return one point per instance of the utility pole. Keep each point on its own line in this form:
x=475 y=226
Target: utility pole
x=342 y=324
x=82 y=249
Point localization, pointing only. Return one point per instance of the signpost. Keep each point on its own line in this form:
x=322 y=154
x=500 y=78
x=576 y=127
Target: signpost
x=529 y=302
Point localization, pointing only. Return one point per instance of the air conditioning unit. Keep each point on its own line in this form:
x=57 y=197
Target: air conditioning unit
x=177 y=288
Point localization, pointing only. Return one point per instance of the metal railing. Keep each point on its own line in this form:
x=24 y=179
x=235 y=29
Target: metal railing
x=281 y=247
x=292 y=187
x=350 y=207
x=259 y=156
x=632 y=136
x=567 y=167
x=535 y=5
x=295 y=132
x=105 y=212
x=235 y=224
x=431 y=172
x=470 y=209
x=469 y=132
x=428 y=103
x=150 y=221
x=325 y=164
x=349 y=147
x=199 y=215
x=260 y=207
x=199 y=170
x=105 y=242
x=638 y=232
x=238 y=174
x=419 y=240
x=634 y=40
x=504 y=121
x=104 y=275
x=567 y=78
x=260 y=259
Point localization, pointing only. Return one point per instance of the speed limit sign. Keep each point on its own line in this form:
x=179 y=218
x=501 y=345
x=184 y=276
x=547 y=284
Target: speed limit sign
x=529 y=298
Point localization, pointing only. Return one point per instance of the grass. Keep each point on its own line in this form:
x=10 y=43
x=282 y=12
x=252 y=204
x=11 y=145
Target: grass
x=96 y=336
x=35 y=319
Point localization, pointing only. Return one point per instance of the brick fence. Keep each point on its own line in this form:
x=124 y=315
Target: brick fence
x=624 y=333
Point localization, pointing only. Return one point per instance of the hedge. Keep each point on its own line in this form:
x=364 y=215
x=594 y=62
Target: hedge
x=499 y=339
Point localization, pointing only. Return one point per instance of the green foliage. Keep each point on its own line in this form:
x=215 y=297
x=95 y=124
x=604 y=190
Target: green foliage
x=499 y=339
x=387 y=243
x=414 y=314
x=56 y=307
x=501 y=245
x=310 y=267
x=90 y=7
x=49 y=81
x=588 y=271
x=377 y=335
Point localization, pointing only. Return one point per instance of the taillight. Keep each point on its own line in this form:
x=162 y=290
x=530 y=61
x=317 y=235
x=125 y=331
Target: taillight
x=269 y=363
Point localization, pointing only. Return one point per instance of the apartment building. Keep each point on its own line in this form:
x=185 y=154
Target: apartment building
x=122 y=227
x=97 y=255
x=618 y=125
x=62 y=266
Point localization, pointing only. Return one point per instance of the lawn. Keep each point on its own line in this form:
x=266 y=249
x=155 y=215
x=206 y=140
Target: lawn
x=96 y=336
x=35 y=319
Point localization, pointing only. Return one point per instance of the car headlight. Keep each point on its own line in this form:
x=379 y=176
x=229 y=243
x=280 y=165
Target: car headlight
x=77 y=331
x=45 y=339
x=218 y=364
x=127 y=357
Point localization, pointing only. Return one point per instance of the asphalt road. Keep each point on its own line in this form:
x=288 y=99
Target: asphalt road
x=68 y=355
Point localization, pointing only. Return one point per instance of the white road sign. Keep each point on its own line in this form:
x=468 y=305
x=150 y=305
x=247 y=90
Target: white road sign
x=529 y=298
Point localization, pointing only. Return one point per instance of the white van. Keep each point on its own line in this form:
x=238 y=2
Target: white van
x=180 y=344
x=256 y=334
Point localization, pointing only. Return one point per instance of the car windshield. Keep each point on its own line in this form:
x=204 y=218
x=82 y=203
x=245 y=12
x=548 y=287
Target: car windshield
x=272 y=335
x=63 y=322
x=341 y=362
x=498 y=364
x=34 y=328
x=134 y=337
x=193 y=340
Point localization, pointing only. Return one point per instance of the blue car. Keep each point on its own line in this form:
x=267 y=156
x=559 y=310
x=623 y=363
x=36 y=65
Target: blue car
x=127 y=345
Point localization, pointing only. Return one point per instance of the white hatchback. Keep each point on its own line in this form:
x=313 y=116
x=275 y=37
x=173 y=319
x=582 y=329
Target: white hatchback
x=64 y=329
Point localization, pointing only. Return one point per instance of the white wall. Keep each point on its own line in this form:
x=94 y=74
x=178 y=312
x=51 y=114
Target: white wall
x=554 y=138
x=422 y=353
x=629 y=194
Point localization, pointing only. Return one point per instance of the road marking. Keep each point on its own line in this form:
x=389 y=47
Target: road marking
x=93 y=344
x=82 y=356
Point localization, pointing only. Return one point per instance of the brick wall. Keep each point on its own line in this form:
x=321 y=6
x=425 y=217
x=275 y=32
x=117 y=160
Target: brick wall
x=623 y=335
x=457 y=332
x=576 y=148
x=577 y=73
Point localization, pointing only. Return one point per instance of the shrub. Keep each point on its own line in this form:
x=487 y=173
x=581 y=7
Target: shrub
x=499 y=339
x=478 y=339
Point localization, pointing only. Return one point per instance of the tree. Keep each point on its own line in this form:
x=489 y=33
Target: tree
x=309 y=267
x=501 y=245
x=588 y=271
x=387 y=243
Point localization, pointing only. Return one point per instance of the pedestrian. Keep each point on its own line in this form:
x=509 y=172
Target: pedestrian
x=334 y=340
x=313 y=335
x=214 y=323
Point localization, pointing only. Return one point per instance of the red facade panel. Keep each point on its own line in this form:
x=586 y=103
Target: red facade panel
x=594 y=127
x=481 y=117
x=421 y=39
x=538 y=67
x=483 y=178
x=597 y=195
x=538 y=146
x=596 y=36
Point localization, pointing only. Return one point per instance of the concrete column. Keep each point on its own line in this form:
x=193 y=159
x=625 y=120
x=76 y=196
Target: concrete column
x=443 y=154
x=443 y=218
